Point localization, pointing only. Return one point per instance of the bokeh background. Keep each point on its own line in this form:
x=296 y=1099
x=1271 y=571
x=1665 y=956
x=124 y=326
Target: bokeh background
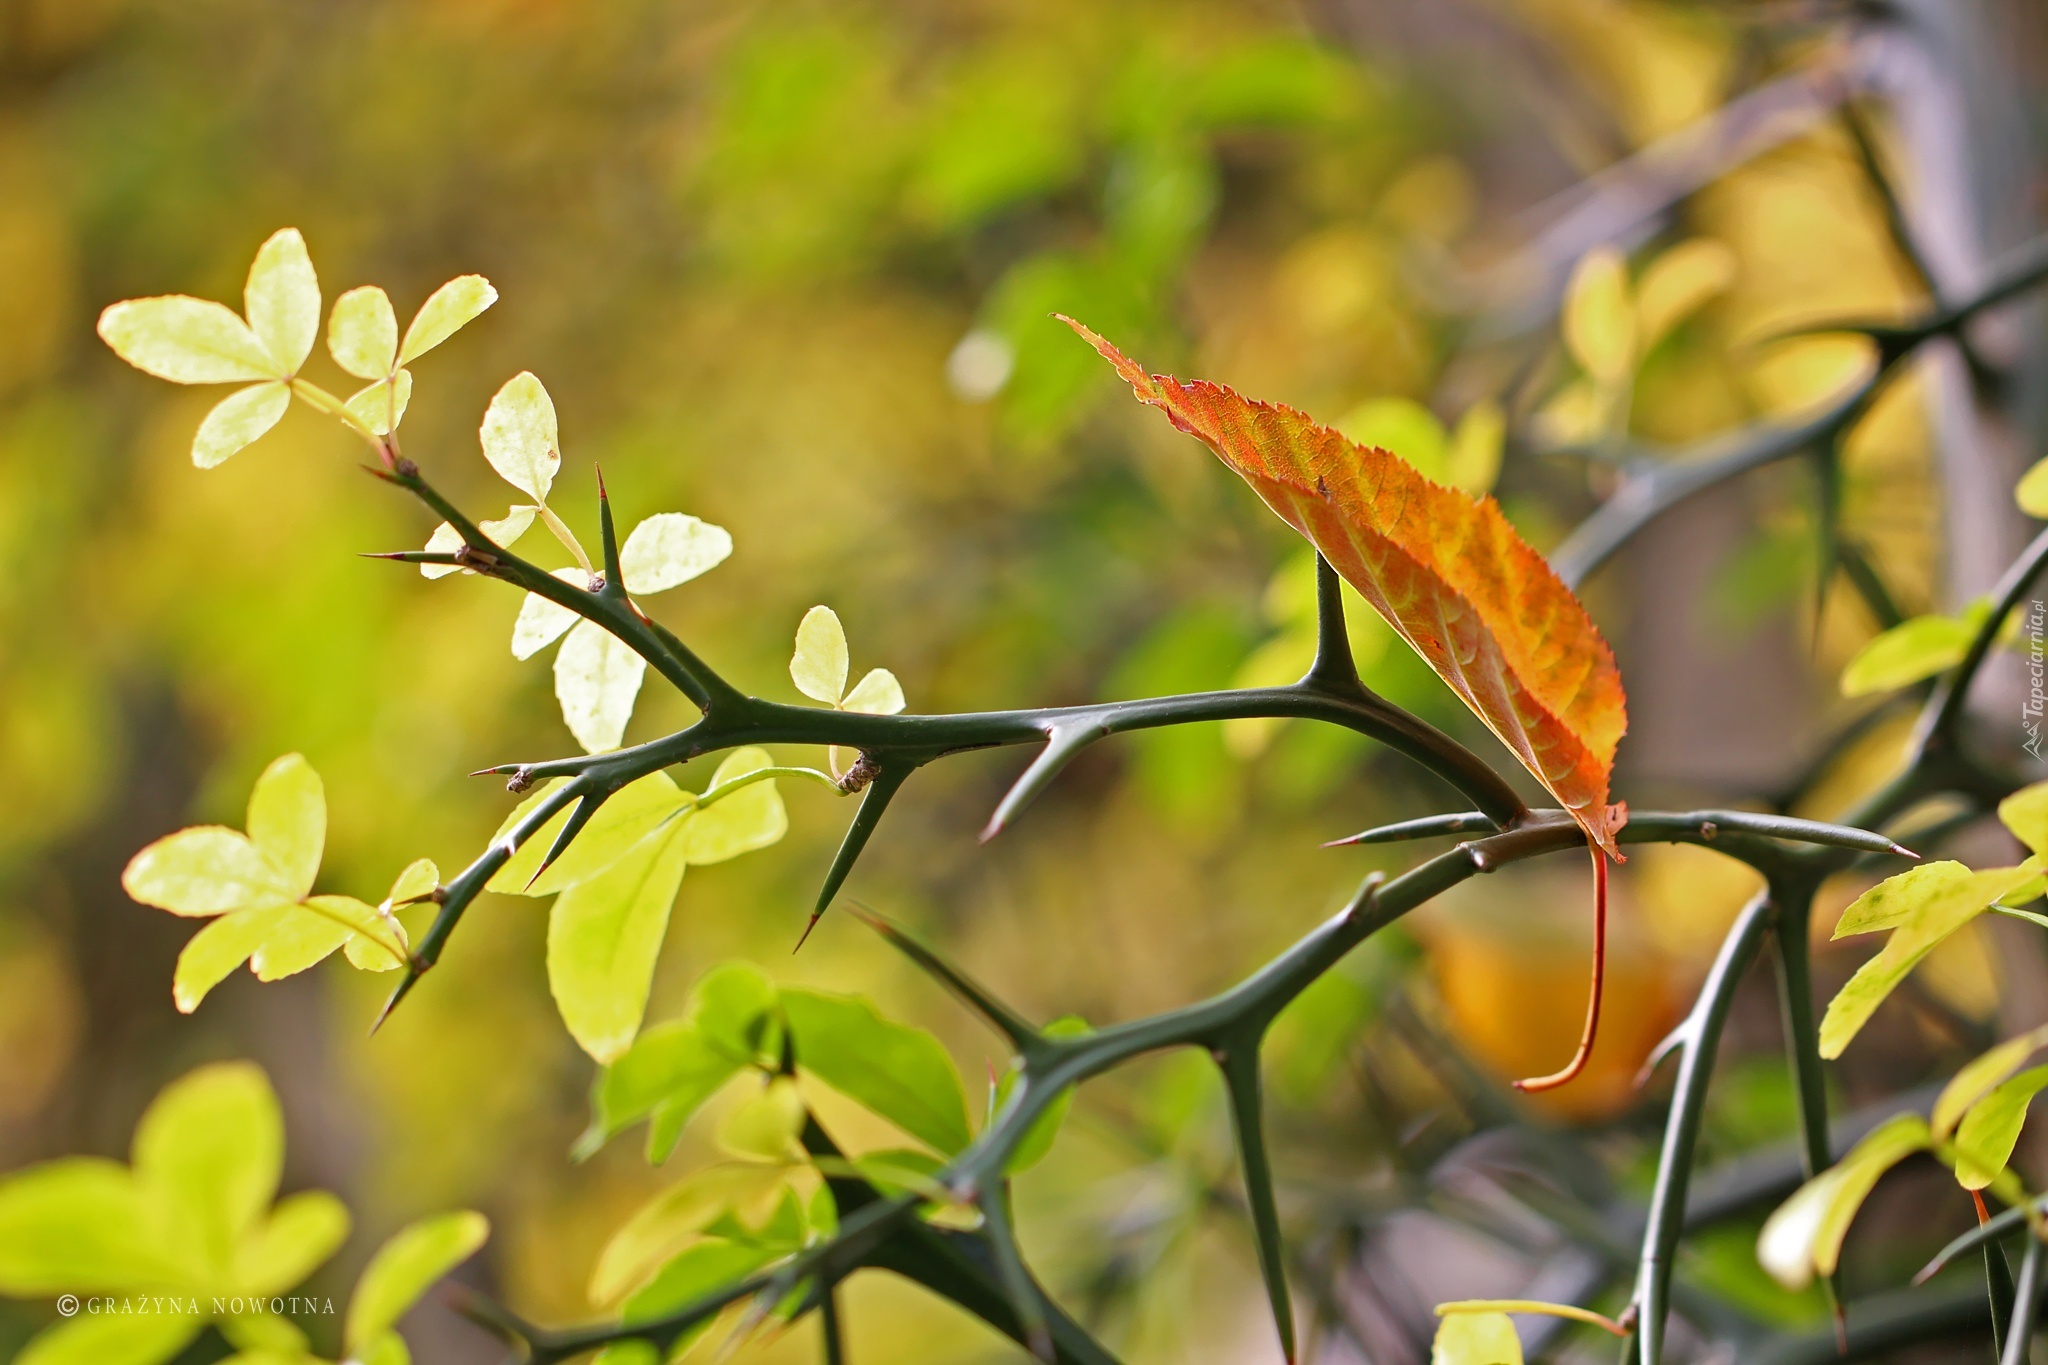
x=789 y=266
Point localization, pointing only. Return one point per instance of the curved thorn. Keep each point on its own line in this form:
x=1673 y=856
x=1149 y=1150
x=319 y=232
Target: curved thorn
x=1427 y=827
x=1334 y=671
x=1999 y=1225
x=1670 y=1043
x=880 y=791
x=970 y=992
x=1577 y=1064
x=1062 y=742
x=1239 y=1062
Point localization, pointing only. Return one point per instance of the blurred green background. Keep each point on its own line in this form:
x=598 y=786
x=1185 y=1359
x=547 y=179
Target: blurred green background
x=789 y=267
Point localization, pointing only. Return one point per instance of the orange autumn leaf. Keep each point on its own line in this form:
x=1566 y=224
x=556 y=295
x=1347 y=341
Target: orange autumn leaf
x=1446 y=571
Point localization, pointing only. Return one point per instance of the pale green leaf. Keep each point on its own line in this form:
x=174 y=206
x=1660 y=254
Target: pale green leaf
x=381 y=406
x=389 y=1349
x=542 y=622
x=186 y=340
x=1980 y=1077
x=671 y=1220
x=2031 y=495
x=209 y=1151
x=603 y=938
x=597 y=676
x=406 y=1267
x=1475 y=1339
x=1988 y=1133
x=113 y=1339
x=1679 y=283
x=764 y=1126
x=2025 y=813
x=265 y=1333
x=901 y=1073
x=1908 y=652
x=520 y=438
x=818 y=668
x=288 y=820
x=672 y=1068
x=447 y=311
x=1600 y=316
x=1947 y=907
x=237 y=420
x=506 y=530
x=707 y=1266
x=362 y=333
x=302 y=1232
x=1045 y=1129
x=204 y=870
x=1804 y=1236
x=298 y=939
x=1472 y=461
x=416 y=883
x=78 y=1225
x=1403 y=427
x=218 y=949
x=1897 y=899
x=446 y=540
x=282 y=298
x=751 y=817
x=641 y=810
x=876 y=694
x=669 y=549
x=518 y=869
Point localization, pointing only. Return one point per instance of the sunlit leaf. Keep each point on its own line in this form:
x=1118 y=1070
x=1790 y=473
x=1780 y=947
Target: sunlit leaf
x=186 y=340
x=209 y=1152
x=447 y=311
x=204 y=870
x=2025 y=813
x=672 y=1219
x=1476 y=1339
x=1804 y=1236
x=416 y=882
x=750 y=818
x=818 y=668
x=1448 y=573
x=113 y=1339
x=446 y=540
x=1989 y=1132
x=506 y=530
x=299 y=939
x=2032 y=492
x=671 y=548
x=647 y=807
x=237 y=420
x=381 y=406
x=362 y=333
x=701 y=1269
x=288 y=820
x=1679 y=283
x=78 y=1225
x=901 y=1073
x=298 y=1237
x=1908 y=652
x=265 y=1334
x=541 y=622
x=1921 y=906
x=519 y=436
x=876 y=694
x=764 y=1126
x=597 y=676
x=282 y=298
x=405 y=1267
x=603 y=937
x=1599 y=317
x=215 y=951
x=355 y=919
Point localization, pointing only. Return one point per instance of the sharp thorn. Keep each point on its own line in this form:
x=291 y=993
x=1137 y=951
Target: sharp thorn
x=412 y=976
x=805 y=936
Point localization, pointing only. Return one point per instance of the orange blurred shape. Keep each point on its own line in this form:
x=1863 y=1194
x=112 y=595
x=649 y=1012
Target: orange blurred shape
x=1514 y=996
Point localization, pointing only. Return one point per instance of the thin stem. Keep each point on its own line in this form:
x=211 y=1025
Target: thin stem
x=1587 y=1036
x=2026 y=1303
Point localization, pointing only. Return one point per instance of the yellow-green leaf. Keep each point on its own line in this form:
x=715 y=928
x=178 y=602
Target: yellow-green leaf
x=1678 y=283
x=447 y=311
x=362 y=333
x=209 y=1152
x=671 y=548
x=218 y=949
x=1908 y=652
x=672 y=1219
x=1600 y=317
x=818 y=668
x=186 y=340
x=380 y=406
x=2032 y=493
x=876 y=694
x=204 y=870
x=597 y=677
x=299 y=938
x=237 y=420
x=751 y=817
x=405 y=1268
x=520 y=438
x=1804 y=1236
x=282 y=299
x=113 y=1339
x=446 y=540
x=1988 y=1133
x=78 y=1225
x=302 y=1231
x=288 y=820
x=603 y=938
x=1921 y=913
x=540 y=622
x=764 y=1126
x=506 y=530
x=356 y=921
x=2025 y=813
x=1476 y=1339
x=637 y=811
x=899 y=1072
x=1980 y=1077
